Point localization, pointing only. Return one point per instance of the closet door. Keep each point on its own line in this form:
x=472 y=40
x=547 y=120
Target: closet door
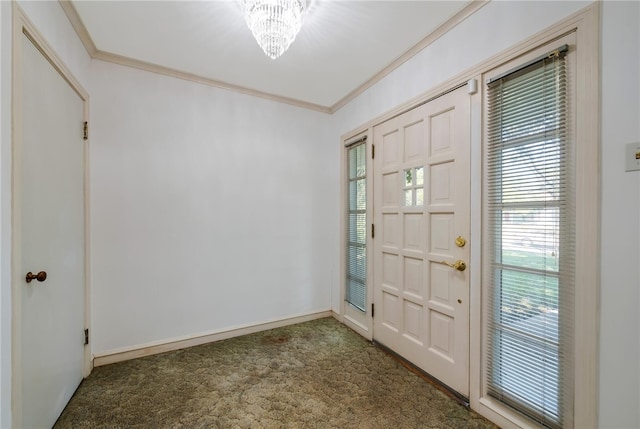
x=49 y=242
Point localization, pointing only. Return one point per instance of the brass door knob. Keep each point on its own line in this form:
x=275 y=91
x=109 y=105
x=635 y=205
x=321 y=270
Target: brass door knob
x=41 y=276
x=460 y=241
x=458 y=265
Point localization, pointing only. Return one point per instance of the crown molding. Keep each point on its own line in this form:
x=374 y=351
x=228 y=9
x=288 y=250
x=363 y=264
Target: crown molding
x=77 y=24
x=87 y=41
x=449 y=24
x=167 y=71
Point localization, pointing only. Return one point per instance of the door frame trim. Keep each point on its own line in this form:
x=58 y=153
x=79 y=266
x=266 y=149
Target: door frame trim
x=23 y=26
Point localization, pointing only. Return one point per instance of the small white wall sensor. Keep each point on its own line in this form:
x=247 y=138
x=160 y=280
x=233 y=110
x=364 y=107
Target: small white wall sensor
x=472 y=86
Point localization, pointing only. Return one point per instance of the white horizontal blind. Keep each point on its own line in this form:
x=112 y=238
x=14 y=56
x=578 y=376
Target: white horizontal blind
x=530 y=265
x=356 y=226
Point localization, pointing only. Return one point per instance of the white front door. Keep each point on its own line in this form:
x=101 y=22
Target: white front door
x=421 y=218
x=49 y=163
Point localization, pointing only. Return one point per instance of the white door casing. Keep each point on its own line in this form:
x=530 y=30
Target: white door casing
x=421 y=206
x=49 y=232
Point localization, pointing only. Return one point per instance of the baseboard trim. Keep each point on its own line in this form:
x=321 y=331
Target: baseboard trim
x=149 y=349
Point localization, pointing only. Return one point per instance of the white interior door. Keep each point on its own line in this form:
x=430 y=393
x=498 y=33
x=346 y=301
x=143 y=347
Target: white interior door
x=49 y=194
x=421 y=207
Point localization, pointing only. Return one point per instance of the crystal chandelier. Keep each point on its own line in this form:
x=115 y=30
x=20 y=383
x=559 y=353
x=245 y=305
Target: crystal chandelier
x=274 y=23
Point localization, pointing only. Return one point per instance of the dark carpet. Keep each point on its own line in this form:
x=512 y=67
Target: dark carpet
x=318 y=374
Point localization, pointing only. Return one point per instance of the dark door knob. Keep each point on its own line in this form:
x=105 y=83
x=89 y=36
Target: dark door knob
x=41 y=276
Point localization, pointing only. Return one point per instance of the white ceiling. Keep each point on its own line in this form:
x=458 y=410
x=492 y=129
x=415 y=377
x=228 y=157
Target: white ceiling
x=341 y=46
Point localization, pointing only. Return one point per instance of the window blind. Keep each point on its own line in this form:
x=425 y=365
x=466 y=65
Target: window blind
x=530 y=229
x=356 y=226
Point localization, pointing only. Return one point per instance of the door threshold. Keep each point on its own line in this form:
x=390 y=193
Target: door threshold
x=458 y=397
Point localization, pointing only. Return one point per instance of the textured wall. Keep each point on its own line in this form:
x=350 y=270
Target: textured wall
x=208 y=209
x=5 y=214
x=620 y=229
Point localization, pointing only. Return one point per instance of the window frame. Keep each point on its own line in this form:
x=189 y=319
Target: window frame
x=584 y=27
x=354 y=318
x=552 y=149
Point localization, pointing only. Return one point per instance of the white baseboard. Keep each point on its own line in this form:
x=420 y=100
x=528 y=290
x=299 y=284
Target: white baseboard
x=202 y=338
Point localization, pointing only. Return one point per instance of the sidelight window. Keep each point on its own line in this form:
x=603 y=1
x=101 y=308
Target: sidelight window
x=530 y=265
x=355 y=290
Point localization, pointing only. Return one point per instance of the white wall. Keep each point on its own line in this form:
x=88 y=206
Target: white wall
x=500 y=25
x=209 y=209
x=620 y=279
x=5 y=214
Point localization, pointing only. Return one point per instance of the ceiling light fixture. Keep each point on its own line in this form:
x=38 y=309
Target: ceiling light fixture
x=274 y=23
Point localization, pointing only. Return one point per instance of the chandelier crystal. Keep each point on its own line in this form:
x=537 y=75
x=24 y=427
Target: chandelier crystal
x=274 y=23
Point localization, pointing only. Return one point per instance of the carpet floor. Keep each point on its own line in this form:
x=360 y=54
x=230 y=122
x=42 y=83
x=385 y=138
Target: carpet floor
x=317 y=374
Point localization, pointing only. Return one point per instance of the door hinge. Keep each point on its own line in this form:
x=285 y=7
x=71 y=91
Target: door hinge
x=86 y=337
x=373 y=230
x=373 y=151
x=85 y=131
x=373 y=309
